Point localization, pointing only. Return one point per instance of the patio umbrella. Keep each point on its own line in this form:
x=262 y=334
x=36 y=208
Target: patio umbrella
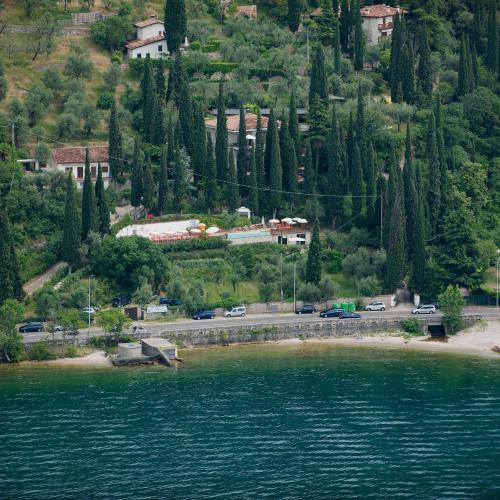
x=274 y=221
x=196 y=230
x=287 y=220
x=213 y=230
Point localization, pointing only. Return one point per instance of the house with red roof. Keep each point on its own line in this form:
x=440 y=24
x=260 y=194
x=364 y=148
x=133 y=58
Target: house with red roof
x=150 y=40
x=378 y=21
x=72 y=159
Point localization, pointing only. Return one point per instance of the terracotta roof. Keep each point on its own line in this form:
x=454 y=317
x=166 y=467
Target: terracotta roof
x=77 y=154
x=316 y=12
x=233 y=122
x=135 y=44
x=380 y=10
x=247 y=10
x=148 y=22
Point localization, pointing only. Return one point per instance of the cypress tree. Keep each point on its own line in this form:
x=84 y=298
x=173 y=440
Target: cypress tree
x=394 y=66
x=350 y=152
x=434 y=175
x=271 y=123
x=114 y=144
x=275 y=172
x=407 y=70
x=242 y=160
x=90 y=221
x=293 y=123
x=288 y=161
x=396 y=261
x=464 y=85
x=361 y=133
x=148 y=197
x=293 y=15
x=478 y=26
x=319 y=82
x=492 y=47
x=418 y=256
x=175 y=24
x=411 y=200
x=443 y=167
x=474 y=66
x=160 y=82
x=163 y=182
x=221 y=145
x=335 y=7
x=72 y=230
x=102 y=204
x=199 y=145
x=148 y=100
x=345 y=25
x=309 y=182
x=359 y=40
x=335 y=175
x=232 y=191
x=371 y=187
x=253 y=191
x=325 y=26
x=424 y=72
x=137 y=184
x=174 y=77
x=184 y=104
x=313 y=265
x=259 y=161
x=210 y=178
x=337 y=51
x=390 y=195
x=181 y=163
x=358 y=186
x=10 y=279
x=158 y=127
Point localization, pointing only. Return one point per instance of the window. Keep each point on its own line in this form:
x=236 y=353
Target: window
x=67 y=169
x=79 y=172
x=93 y=171
x=160 y=32
x=105 y=169
x=282 y=240
x=160 y=48
x=139 y=55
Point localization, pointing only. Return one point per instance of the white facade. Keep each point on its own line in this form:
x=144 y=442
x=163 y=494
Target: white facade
x=143 y=33
x=376 y=28
x=77 y=171
x=150 y=40
x=155 y=50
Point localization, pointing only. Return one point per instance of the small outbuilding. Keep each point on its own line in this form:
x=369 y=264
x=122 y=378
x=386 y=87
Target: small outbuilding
x=130 y=350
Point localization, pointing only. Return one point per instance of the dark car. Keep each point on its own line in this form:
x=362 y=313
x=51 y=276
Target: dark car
x=165 y=301
x=306 y=309
x=204 y=315
x=31 y=327
x=331 y=313
x=349 y=315
x=73 y=332
x=120 y=300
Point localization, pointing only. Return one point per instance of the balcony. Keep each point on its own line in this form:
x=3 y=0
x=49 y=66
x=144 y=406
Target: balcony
x=385 y=26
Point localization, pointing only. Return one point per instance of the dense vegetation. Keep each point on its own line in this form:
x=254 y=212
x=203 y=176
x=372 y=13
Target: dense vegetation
x=400 y=168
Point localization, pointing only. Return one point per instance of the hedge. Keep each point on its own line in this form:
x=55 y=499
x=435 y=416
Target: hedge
x=194 y=244
x=222 y=67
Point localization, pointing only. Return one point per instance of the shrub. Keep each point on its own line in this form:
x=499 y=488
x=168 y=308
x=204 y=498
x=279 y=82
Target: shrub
x=40 y=351
x=308 y=292
x=105 y=100
x=112 y=32
x=412 y=326
x=221 y=67
x=72 y=352
x=116 y=58
x=195 y=45
x=360 y=304
x=369 y=286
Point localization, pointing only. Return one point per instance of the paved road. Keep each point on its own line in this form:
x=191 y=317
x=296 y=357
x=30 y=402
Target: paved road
x=262 y=320
x=38 y=281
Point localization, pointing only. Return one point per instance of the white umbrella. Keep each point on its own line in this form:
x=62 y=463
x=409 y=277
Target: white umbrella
x=287 y=220
x=196 y=230
x=297 y=219
x=213 y=230
x=274 y=221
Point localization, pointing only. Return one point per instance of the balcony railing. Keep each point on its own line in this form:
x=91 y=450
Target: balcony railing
x=385 y=26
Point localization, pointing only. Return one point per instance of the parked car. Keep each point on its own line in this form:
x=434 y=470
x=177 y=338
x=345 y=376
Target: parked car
x=120 y=300
x=165 y=301
x=306 y=309
x=375 y=306
x=235 y=311
x=331 y=313
x=432 y=302
x=88 y=310
x=59 y=328
x=73 y=332
x=349 y=315
x=34 y=326
x=139 y=330
x=204 y=315
x=425 y=309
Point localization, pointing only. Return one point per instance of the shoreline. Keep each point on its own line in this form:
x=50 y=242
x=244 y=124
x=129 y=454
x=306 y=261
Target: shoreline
x=476 y=340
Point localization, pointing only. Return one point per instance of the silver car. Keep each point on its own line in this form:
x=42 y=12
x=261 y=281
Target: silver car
x=375 y=306
x=424 y=309
x=235 y=311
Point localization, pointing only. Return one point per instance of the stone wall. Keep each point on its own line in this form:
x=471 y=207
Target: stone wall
x=15 y=28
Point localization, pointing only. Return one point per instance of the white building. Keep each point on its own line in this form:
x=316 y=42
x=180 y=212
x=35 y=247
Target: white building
x=378 y=21
x=72 y=159
x=150 y=40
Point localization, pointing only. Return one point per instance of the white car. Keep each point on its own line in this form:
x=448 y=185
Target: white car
x=424 y=309
x=88 y=310
x=375 y=306
x=139 y=330
x=235 y=311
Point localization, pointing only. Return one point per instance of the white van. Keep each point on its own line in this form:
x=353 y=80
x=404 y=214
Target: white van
x=235 y=311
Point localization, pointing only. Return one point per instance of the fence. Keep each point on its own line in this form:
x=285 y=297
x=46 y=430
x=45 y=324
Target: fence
x=480 y=300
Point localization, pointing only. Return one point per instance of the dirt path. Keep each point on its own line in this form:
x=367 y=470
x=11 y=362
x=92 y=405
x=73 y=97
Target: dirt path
x=38 y=281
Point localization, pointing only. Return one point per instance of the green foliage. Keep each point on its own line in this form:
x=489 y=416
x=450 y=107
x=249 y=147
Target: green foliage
x=175 y=24
x=112 y=32
x=41 y=351
x=293 y=15
x=369 y=286
x=113 y=321
x=10 y=279
x=313 y=268
x=451 y=303
x=411 y=326
x=78 y=64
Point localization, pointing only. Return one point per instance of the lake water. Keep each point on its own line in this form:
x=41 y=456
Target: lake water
x=256 y=422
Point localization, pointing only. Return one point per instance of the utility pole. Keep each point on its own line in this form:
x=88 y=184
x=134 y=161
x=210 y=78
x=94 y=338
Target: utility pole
x=498 y=253
x=13 y=134
x=88 y=332
x=381 y=221
x=294 y=300
x=281 y=277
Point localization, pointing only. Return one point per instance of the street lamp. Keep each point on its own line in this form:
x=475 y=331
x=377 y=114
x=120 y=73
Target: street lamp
x=88 y=333
x=294 y=300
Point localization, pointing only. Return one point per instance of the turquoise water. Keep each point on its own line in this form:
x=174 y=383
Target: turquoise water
x=247 y=234
x=256 y=422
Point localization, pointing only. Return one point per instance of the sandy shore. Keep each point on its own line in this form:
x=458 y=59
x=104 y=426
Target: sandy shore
x=97 y=358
